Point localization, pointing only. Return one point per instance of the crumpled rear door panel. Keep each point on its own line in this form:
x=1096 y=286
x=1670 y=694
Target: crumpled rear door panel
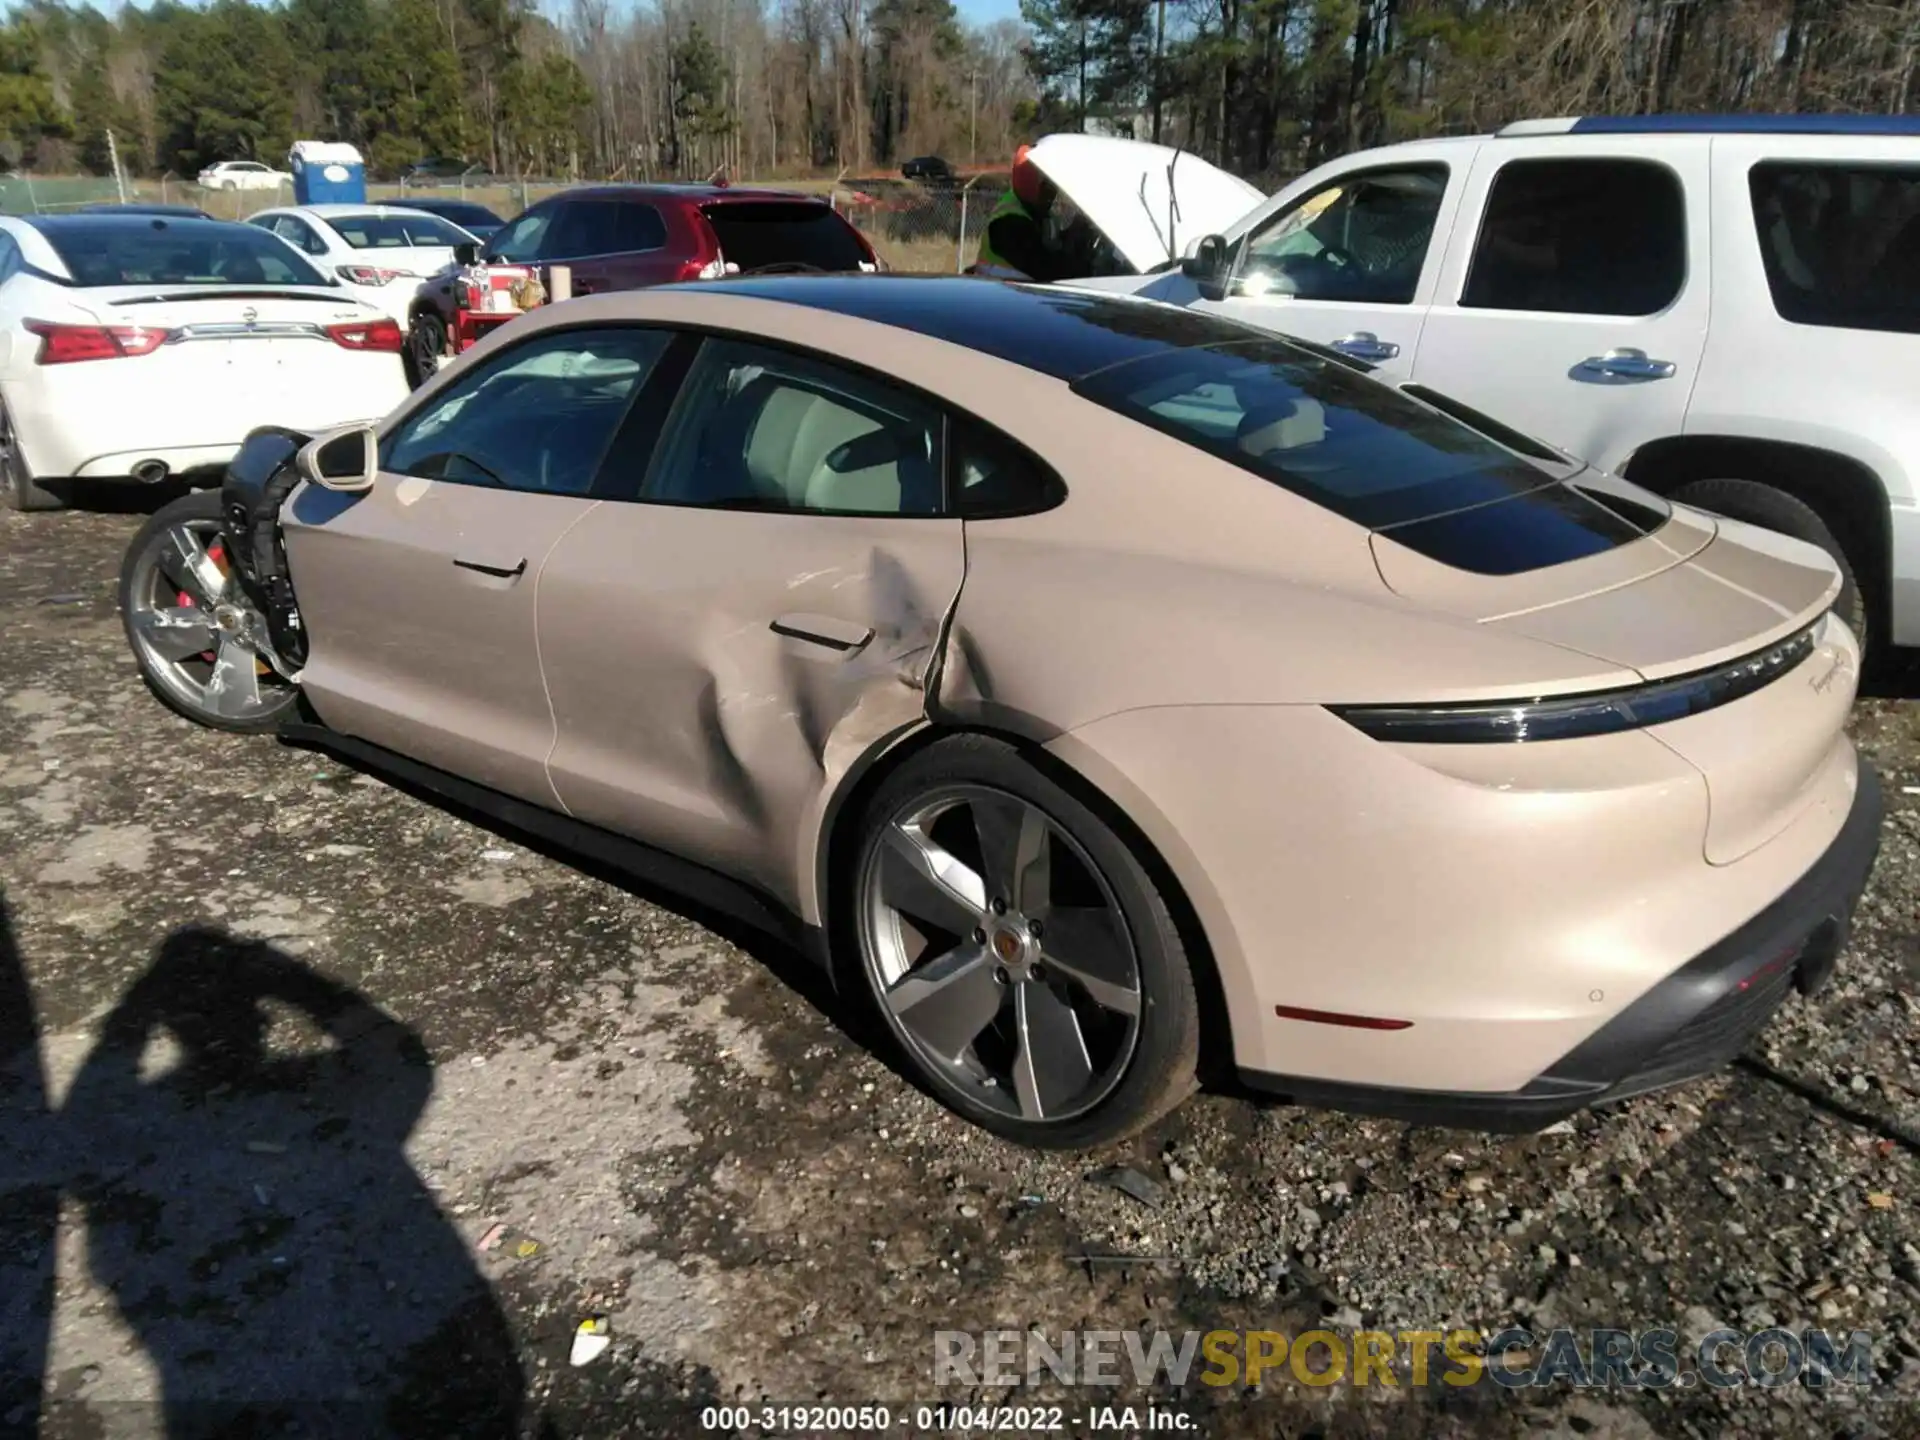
x=715 y=673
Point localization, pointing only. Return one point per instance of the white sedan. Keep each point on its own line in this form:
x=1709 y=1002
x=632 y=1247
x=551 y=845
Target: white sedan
x=223 y=329
x=243 y=175
x=379 y=252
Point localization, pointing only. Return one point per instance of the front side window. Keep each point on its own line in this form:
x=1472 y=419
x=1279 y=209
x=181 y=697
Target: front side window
x=761 y=429
x=1841 y=243
x=1363 y=238
x=193 y=253
x=538 y=417
x=520 y=241
x=1364 y=451
x=1580 y=237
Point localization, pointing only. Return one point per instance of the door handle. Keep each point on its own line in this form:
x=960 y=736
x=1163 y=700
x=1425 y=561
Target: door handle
x=493 y=567
x=1365 y=345
x=1626 y=363
x=845 y=636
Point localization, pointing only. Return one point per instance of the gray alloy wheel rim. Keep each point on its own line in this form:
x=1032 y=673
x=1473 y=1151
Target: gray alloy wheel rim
x=1014 y=979
x=174 y=640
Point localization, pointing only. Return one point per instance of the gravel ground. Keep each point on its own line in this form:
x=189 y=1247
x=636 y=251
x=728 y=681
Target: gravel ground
x=309 y=1043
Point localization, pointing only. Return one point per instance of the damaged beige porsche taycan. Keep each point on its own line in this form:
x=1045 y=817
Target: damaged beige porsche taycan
x=1112 y=695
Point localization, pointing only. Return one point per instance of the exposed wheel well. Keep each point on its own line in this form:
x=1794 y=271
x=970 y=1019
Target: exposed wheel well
x=1216 y=1036
x=1845 y=493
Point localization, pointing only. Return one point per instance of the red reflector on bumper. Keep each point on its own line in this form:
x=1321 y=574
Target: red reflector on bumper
x=1329 y=1017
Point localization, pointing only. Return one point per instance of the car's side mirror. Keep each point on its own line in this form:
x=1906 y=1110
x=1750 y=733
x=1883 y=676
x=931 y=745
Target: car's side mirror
x=347 y=459
x=466 y=252
x=1207 y=267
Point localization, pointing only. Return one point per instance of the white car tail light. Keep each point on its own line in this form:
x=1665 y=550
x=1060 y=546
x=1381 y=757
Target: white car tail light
x=371 y=274
x=65 y=344
x=382 y=334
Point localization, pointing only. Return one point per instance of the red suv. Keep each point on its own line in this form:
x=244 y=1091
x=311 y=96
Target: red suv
x=621 y=237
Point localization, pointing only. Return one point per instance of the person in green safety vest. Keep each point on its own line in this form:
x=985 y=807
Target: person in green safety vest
x=1016 y=238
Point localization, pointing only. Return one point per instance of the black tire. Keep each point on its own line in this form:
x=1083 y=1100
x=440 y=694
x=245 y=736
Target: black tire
x=426 y=347
x=22 y=493
x=1773 y=509
x=1159 y=1071
x=201 y=506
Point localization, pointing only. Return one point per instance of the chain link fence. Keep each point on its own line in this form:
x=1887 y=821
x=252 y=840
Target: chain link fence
x=929 y=227
x=915 y=226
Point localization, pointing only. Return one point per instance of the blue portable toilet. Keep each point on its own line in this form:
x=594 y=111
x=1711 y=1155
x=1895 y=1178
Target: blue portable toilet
x=326 y=172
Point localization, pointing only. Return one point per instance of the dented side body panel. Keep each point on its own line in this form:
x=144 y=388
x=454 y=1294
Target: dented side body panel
x=715 y=675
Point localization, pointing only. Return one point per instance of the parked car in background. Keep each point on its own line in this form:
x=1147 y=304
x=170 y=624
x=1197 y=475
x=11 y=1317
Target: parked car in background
x=243 y=175
x=142 y=207
x=891 y=614
x=436 y=171
x=928 y=168
x=138 y=347
x=622 y=237
x=381 y=253
x=474 y=218
x=1724 y=309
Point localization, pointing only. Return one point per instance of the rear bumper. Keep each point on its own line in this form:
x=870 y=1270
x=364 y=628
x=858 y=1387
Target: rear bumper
x=1689 y=1024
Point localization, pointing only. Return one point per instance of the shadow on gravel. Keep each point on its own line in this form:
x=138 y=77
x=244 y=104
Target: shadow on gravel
x=235 y=1140
x=114 y=497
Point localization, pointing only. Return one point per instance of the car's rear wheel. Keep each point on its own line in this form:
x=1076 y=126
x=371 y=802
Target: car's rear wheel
x=1018 y=950
x=1774 y=509
x=200 y=644
x=21 y=490
x=426 y=347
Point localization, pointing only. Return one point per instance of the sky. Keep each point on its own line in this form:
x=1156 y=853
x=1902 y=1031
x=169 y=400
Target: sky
x=985 y=12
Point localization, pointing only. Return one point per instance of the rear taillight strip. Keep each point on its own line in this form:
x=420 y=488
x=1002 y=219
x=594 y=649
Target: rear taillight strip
x=64 y=344
x=1567 y=717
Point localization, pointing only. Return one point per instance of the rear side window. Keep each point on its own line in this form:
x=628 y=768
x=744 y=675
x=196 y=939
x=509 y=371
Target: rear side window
x=754 y=234
x=991 y=476
x=1364 y=451
x=1581 y=237
x=607 y=227
x=1841 y=243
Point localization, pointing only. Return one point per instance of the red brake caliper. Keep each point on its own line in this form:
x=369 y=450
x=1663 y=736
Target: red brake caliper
x=216 y=552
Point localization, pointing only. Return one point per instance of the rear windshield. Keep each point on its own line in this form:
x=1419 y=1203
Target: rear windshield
x=189 y=253
x=1841 y=243
x=1364 y=451
x=468 y=216
x=755 y=234
x=396 y=232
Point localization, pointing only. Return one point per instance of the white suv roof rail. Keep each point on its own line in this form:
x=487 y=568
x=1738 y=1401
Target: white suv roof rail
x=1714 y=125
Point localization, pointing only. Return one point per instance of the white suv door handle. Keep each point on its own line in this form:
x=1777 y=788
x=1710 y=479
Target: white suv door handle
x=1628 y=364
x=1365 y=345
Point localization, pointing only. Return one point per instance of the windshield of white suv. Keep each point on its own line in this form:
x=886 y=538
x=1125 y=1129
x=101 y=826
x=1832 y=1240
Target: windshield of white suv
x=1841 y=243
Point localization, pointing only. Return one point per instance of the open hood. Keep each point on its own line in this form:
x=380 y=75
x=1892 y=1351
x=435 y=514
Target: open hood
x=1151 y=201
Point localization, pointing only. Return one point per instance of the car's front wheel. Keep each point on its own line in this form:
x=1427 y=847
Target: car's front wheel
x=1018 y=950
x=201 y=646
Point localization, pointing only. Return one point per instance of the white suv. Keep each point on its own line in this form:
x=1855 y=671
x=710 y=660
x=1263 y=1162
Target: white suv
x=1723 y=309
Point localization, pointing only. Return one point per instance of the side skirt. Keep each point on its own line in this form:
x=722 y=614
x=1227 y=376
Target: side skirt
x=684 y=878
